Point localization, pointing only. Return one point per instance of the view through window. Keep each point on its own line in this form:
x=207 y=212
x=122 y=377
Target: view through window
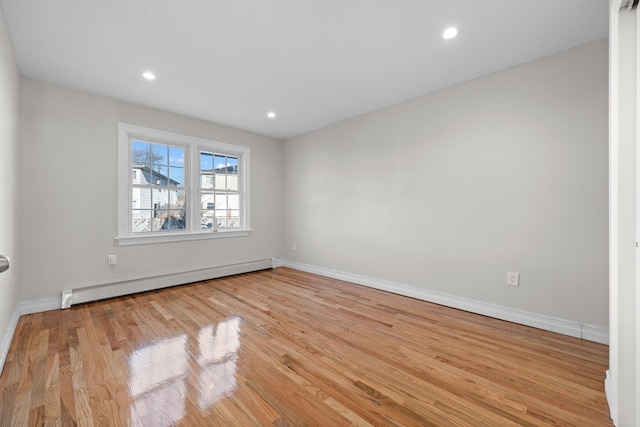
x=176 y=185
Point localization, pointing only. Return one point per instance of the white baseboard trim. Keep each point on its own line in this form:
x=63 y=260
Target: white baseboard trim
x=8 y=337
x=598 y=334
x=39 y=305
x=110 y=290
x=608 y=391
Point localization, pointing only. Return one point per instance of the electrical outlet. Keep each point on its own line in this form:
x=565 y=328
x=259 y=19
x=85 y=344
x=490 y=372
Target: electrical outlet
x=513 y=279
x=113 y=259
x=294 y=247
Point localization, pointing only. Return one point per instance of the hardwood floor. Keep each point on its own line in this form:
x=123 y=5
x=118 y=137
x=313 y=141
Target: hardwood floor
x=285 y=348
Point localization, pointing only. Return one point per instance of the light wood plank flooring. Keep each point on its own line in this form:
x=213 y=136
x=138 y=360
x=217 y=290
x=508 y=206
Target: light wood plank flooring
x=287 y=348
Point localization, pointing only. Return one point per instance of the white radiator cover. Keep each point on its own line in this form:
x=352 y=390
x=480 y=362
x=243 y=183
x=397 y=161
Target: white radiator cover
x=111 y=290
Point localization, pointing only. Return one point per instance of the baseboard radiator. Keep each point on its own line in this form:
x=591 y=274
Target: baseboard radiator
x=127 y=287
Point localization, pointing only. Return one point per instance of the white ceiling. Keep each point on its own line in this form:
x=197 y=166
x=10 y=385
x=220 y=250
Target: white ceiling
x=314 y=62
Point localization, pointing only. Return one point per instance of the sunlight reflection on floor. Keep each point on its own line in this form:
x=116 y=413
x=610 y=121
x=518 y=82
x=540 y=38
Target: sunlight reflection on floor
x=159 y=373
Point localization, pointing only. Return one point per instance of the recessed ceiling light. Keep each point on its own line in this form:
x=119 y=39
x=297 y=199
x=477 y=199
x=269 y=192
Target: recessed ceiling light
x=450 y=33
x=271 y=115
x=149 y=75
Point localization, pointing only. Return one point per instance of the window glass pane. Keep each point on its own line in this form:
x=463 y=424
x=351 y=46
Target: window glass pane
x=176 y=156
x=160 y=175
x=174 y=220
x=228 y=218
x=140 y=152
x=176 y=177
x=232 y=165
x=206 y=180
x=232 y=182
x=156 y=222
x=206 y=219
x=141 y=221
x=141 y=198
x=206 y=161
x=221 y=201
x=177 y=199
x=221 y=219
x=221 y=182
x=159 y=154
x=233 y=218
x=220 y=163
x=234 y=201
x=159 y=200
x=206 y=201
x=143 y=176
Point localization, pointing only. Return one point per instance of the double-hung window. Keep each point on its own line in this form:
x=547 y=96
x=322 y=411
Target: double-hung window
x=175 y=187
x=219 y=190
x=158 y=191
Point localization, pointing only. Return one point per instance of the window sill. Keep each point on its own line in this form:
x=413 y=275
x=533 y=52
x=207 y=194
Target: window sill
x=179 y=237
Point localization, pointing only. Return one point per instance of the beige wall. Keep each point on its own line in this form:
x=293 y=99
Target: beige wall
x=450 y=191
x=9 y=109
x=68 y=194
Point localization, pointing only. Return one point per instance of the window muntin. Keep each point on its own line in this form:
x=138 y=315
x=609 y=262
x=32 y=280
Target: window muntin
x=180 y=188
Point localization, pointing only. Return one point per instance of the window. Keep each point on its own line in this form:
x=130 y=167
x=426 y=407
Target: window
x=159 y=196
x=219 y=190
x=175 y=187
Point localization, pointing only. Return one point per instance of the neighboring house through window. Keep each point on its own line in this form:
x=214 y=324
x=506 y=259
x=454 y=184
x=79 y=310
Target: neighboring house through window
x=176 y=187
x=219 y=190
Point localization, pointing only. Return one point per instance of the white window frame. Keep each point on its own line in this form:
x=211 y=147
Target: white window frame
x=193 y=146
